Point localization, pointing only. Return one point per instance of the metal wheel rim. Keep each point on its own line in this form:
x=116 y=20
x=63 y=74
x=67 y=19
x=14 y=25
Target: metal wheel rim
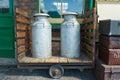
x=56 y=68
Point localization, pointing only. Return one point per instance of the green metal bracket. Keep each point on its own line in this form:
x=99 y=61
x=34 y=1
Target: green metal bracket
x=38 y=6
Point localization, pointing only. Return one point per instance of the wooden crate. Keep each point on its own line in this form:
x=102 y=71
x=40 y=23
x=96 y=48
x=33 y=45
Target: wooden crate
x=110 y=42
x=107 y=72
x=109 y=56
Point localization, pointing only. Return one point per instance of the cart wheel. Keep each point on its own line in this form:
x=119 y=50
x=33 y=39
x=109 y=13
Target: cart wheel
x=56 y=71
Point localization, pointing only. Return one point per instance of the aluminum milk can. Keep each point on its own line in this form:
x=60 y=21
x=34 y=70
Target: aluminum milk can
x=41 y=37
x=70 y=36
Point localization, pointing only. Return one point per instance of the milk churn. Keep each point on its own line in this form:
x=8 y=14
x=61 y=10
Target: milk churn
x=70 y=36
x=41 y=37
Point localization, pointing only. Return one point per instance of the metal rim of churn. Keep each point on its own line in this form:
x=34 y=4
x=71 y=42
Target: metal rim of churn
x=69 y=13
x=40 y=14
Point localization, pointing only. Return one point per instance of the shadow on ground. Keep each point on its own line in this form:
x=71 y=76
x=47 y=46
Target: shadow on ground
x=20 y=74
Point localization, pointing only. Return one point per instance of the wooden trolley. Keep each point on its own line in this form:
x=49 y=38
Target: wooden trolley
x=55 y=63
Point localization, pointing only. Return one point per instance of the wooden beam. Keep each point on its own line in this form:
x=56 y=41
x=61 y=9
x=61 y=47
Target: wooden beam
x=88 y=20
x=20 y=42
x=91 y=26
x=21 y=34
x=87 y=47
x=91 y=34
x=91 y=42
x=22 y=12
x=21 y=49
x=22 y=20
x=21 y=26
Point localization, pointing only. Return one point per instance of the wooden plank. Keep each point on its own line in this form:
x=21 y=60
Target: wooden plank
x=34 y=60
x=91 y=42
x=37 y=60
x=52 y=60
x=88 y=20
x=91 y=26
x=91 y=56
x=29 y=28
x=22 y=20
x=70 y=60
x=88 y=34
x=22 y=12
x=89 y=13
x=63 y=60
x=21 y=56
x=89 y=48
x=21 y=26
x=21 y=34
x=20 y=42
x=55 y=20
x=60 y=20
x=21 y=49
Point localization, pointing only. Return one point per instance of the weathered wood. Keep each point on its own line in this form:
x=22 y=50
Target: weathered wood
x=60 y=20
x=21 y=34
x=107 y=72
x=20 y=42
x=90 y=23
x=22 y=20
x=22 y=12
x=63 y=60
x=21 y=56
x=91 y=34
x=109 y=56
x=110 y=42
x=70 y=60
x=23 y=23
x=89 y=12
x=89 y=48
x=91 y=26
x=87 y=41
x=54 y=60
x=90 y=55
x=21 y=27
x=88 y=20
x=21 y=49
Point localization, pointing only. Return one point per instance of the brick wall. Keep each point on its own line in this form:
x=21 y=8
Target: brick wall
x=27 y=5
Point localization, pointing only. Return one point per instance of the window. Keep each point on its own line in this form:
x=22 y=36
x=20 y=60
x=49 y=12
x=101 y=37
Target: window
x=56 y=7
x=4 y=6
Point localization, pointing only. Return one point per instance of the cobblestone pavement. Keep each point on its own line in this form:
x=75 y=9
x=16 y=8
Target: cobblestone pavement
x=17 y=74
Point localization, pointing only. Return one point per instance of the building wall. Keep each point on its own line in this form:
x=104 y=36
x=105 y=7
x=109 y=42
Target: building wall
x=108 y=0
x=108 y=11
x=27 y=5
